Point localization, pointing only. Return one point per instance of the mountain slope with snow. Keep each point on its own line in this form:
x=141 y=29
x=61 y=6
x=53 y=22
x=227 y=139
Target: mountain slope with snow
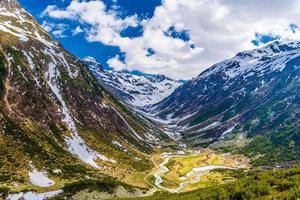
x=136 y=90
x=55 y=118
x=254 y=95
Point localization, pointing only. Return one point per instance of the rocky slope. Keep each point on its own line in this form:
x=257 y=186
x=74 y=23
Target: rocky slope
x=137 y=90
x=55 y=119
x=254 y=95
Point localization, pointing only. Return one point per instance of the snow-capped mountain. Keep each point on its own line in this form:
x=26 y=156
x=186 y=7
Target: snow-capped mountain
x=55 y=118
x=137 y=90
x=254 y=93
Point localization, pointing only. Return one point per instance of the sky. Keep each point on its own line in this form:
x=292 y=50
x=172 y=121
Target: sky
x=177 y=38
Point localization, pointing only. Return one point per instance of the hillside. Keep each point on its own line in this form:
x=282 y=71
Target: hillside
x=249 y=101
x=57 y=123
x=280 y=184
x=70 y=129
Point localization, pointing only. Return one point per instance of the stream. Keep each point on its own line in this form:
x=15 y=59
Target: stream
x=197 y=172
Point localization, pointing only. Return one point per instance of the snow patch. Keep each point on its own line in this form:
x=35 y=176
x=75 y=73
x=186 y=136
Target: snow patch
x=75 y=143
x=33 y=195
x=21 y=36
x=130 y=128
x=32 y=67
x=77 y=146
x=21 y=72
x=39 y=178
x=226 y=132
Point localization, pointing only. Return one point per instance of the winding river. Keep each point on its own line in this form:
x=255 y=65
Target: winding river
x=196 y=173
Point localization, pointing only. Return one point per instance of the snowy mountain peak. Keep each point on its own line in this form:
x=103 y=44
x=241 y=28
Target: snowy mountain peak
x=131 y=88
x=90 y=59
x=257 y=88
x=266 y=59
x=92 y=63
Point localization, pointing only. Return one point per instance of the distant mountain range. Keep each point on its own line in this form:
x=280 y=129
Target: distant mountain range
x=135 y=89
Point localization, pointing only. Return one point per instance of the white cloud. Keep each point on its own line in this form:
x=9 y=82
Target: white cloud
x=77 y=30
x=116 y=63
x=59 y=33
x=105 y=24
x=47 y=26
x=218 y=29
x=58 y=30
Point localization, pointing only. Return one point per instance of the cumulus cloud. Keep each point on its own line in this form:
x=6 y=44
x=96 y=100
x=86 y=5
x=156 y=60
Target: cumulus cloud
x=116 y=63
x=217 y=29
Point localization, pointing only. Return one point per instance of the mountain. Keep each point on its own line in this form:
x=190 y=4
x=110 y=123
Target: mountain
x=249 y=101
x=135 y=89
x=55 y=119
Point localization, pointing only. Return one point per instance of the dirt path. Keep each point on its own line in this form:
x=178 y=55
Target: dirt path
x=7 y=82
x=154 y=188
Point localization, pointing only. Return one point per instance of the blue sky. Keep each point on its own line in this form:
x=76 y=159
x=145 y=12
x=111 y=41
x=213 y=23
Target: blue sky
x=77 y=44
x=177 y=38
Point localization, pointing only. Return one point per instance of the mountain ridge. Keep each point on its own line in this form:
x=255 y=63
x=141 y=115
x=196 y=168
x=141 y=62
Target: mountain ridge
x=55 y=118
x=134 y=89
x=250 y=96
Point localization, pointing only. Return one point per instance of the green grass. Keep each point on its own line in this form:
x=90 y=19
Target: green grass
x=213 y=110
x=275 y=184
x=107 y=185
x=274 y=147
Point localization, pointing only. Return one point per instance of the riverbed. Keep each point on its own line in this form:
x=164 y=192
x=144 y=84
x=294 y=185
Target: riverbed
x=192 y=177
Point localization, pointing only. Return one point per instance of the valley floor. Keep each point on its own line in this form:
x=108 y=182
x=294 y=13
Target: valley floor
x=188 y=170
x=190 y=174
x=173 y=172
x=256 y=184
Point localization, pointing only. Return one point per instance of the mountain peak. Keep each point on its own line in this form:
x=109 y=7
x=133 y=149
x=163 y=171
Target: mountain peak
x=241 y=90
x=12 y=8
x=248 y=61
x=93 y=63
x=89 y=59
x=134 y=88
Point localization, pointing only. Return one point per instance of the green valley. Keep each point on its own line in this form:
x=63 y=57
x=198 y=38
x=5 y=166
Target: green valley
x=256 y=184
x=73 y=127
